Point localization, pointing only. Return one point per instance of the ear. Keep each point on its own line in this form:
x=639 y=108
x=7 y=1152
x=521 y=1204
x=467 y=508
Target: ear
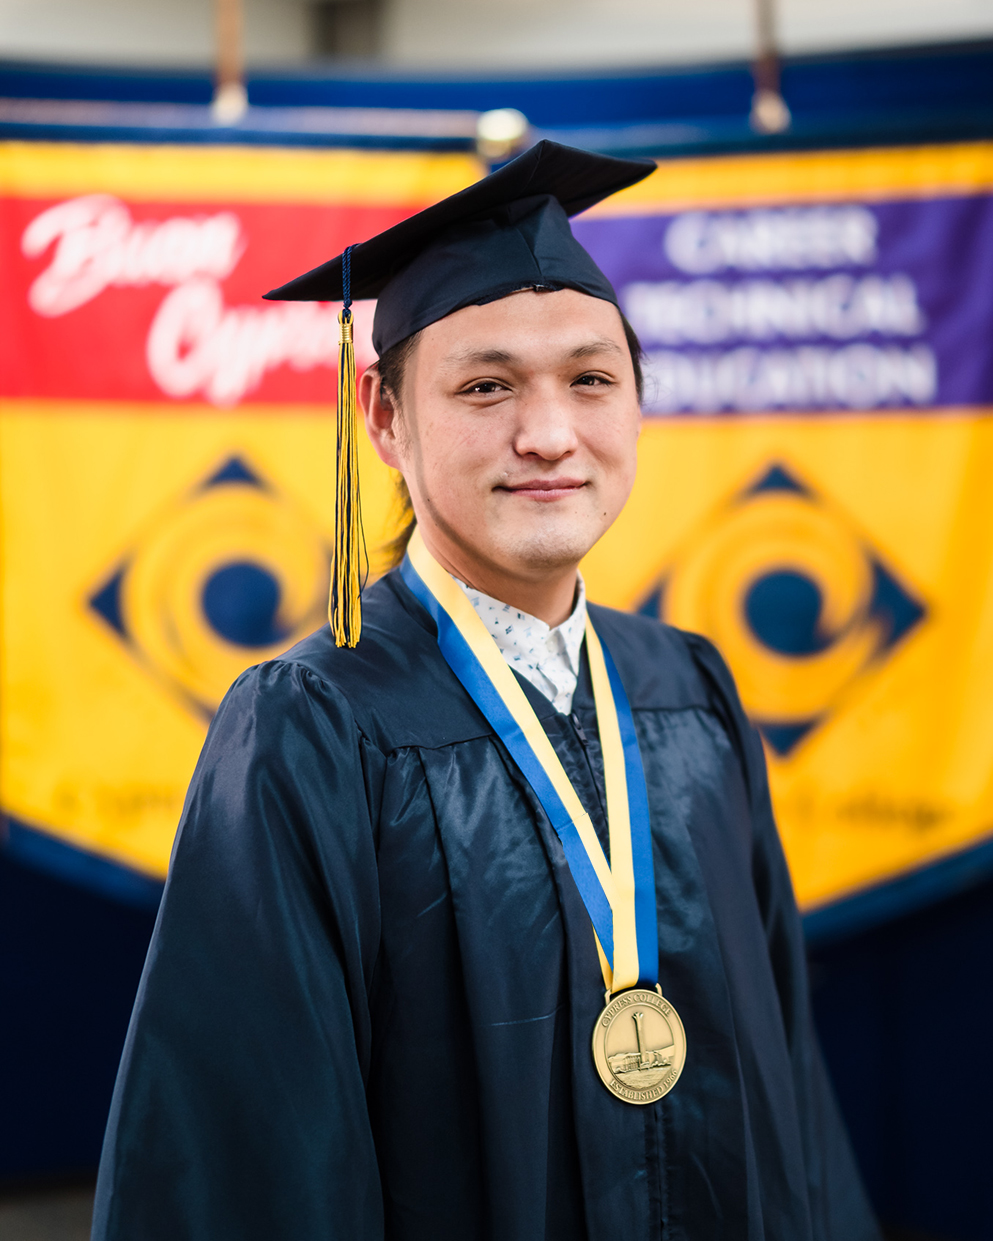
x=380 y=417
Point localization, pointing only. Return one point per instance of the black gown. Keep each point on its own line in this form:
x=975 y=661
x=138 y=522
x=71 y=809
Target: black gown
x=368 y=1003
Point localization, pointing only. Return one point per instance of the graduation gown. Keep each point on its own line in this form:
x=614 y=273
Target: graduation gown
x=368 y=1003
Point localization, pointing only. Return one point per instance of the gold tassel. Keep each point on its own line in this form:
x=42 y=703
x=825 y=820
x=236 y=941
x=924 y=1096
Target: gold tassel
x=345 y=604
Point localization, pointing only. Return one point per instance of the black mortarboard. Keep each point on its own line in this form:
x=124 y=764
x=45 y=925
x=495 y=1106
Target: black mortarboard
x=509 y=231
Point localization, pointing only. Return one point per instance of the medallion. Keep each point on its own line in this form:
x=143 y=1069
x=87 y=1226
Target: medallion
x=639 y=1046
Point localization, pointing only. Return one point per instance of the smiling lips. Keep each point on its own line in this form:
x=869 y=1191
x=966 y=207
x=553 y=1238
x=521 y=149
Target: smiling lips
x=546 y=489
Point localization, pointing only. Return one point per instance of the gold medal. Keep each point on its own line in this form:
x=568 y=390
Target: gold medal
x=639 y=1046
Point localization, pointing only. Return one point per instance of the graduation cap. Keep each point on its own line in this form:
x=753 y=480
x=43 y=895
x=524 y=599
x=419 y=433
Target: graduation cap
x=508 y=232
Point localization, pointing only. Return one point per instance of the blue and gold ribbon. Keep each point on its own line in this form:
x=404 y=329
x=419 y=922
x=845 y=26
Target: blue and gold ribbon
x=619 y=896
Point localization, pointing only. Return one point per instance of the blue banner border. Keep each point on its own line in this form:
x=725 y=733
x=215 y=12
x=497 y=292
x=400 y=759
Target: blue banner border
x=40 y=850
x=885 y=96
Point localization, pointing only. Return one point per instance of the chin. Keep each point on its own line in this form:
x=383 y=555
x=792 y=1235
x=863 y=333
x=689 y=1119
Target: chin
x=549 y=550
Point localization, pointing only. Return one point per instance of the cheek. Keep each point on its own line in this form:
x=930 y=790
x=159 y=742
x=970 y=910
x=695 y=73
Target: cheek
x=616 y=447
x=616 y=453
x=453 y=457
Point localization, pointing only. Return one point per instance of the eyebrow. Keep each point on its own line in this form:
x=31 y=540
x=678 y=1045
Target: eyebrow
x=467 y=357
x=601 y=344
x=476 y=357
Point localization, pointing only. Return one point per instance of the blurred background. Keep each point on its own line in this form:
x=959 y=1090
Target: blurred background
x=811 y=273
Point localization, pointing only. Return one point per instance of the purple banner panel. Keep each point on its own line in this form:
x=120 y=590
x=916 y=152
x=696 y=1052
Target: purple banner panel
x=848 y=306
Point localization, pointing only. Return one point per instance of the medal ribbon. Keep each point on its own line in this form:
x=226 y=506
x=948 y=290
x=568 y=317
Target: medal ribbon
x=620 y=896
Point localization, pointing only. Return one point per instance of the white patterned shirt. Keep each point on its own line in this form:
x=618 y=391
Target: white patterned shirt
x=548 y=658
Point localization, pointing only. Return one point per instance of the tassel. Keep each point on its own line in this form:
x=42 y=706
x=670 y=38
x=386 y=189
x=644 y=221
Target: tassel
x=345 y=604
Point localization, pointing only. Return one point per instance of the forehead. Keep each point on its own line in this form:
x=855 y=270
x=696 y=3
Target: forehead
x=528 y=324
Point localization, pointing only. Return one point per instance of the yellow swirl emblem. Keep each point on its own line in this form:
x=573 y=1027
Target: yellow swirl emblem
x=796 y=600
x=231 y=575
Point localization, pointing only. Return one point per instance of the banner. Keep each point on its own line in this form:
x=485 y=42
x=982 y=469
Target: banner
x=812 y=494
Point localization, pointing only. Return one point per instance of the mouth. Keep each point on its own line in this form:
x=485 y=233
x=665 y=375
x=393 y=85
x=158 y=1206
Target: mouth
x=545 y=490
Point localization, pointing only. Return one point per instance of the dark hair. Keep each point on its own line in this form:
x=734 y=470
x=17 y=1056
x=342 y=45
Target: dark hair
x=637 y=355
x=392 y=369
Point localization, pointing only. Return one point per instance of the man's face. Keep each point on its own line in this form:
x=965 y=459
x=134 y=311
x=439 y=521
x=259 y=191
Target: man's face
x=518 y=430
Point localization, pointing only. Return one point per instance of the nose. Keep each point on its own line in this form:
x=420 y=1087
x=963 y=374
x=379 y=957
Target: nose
x=545 y=427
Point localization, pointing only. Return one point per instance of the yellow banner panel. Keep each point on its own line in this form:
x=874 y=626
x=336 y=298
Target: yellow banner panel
x=879 y=739
x=875 y=174
x=106 y=703
x=236 y=173
x=117 y=520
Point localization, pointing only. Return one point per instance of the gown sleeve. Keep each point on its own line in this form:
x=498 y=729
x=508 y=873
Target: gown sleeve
x=839 y=1207
x=240 y=1108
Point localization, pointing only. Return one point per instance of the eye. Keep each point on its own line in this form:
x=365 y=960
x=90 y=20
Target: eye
x=485 y=387
x=591 y=380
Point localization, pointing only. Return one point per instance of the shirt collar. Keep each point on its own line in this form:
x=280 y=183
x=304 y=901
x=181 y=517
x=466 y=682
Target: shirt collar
x=571 y=631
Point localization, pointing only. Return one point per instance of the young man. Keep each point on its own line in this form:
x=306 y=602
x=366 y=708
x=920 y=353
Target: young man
x=481 y=928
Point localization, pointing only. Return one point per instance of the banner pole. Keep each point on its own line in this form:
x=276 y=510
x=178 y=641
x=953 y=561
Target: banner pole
x=230 y=97
x=769 y=114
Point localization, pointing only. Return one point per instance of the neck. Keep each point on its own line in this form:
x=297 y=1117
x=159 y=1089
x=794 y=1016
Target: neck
x=549 y=596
